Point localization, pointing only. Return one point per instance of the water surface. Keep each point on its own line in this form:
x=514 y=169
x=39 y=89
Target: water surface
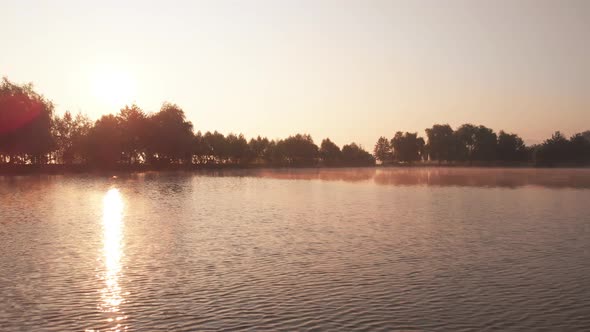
x=332 y=249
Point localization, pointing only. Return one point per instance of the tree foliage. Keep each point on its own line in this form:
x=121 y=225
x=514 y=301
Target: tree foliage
x=70 y=134
x=330 y=153
x=298 y=150
x=383 y=151
x=354 y=155
x=260 y=150
x=134 y=126
x=171 y=138
x=558 y=149
x=407 y=147
x=510 y=147
x=476 y=143
x=30 y=133
x=26 y=121
x=471 y=143
x=442 y=143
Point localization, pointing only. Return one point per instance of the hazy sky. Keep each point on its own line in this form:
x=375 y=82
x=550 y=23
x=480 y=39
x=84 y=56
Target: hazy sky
x=350 y=70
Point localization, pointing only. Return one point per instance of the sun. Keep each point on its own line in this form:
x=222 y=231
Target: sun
x=113 y=88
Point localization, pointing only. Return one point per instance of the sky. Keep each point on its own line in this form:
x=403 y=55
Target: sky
x=348 y=70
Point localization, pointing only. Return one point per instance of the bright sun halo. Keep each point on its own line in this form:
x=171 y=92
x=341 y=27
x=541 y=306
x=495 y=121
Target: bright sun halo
x=113 y=88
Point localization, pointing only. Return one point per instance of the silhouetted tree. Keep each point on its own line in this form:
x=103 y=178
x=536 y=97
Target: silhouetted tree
x=201 y=150
x=25 y=124
x=104 y=145
x=442 y=143
x=476 y=143
x=237 y=148
x=383 y=151
x=510 y=147
x=31 y=134
x=171 y=136
x=298 y=150
x=275 y=153
x=218 y=147
x=579 y=149
x=259 y=149
x=486 y=142
x=330 y=153
x=70 y=134
x=407 y=147
x=465 y=136
x=553 y=149
x=558 y=149
x=134 y=134
x=355 y=155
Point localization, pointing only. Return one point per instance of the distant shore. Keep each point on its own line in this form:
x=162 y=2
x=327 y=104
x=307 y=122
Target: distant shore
x=35 y=140
x=54 y=169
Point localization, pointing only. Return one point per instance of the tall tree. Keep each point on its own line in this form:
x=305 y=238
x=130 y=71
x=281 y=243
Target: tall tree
x=237 y=148
x=407 y=147
x=510 y=147
x=486 y=142
x=441 y=143
x=465 y=136
x=354 y=155
x=26 y=120
x=134 y=133
x=103 y=146
x=553 y=150
x=579 y=149
x=298 y=150
x=330 y=153
x=273 y=154
x=383 y=151
x=258 y=148
x=171 y=136
x=201 y=150
x=476 y=143
x=218 y=147
x=70 y=133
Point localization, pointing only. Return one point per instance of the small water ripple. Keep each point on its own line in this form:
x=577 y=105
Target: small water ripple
x=191 y=252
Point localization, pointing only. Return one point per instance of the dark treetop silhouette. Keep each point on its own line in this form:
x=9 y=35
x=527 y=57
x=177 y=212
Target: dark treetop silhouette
x=471 y=144
x=31 y=134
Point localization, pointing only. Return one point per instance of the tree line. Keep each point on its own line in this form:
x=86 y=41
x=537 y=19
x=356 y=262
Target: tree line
x=479 y=144
x=31 y=133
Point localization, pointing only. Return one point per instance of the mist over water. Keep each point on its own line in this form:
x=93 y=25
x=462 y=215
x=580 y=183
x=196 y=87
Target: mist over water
x=307 y=249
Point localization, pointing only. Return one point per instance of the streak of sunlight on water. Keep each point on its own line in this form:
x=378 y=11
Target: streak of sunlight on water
x=111 y=293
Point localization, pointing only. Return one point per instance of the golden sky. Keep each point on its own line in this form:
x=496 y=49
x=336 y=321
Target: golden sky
x=348 y=70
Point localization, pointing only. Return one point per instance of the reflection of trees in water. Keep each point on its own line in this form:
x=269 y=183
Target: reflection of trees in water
x=344 y=174
x=24 y=194
x=430 y=176
x=387 y=176
x=433 y=177
x=482 y=177
x=427 y=176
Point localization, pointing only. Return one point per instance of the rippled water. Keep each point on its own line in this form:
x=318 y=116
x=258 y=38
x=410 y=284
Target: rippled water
x=345 y=249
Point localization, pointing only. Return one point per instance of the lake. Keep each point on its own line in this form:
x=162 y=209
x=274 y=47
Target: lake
x=373 y=249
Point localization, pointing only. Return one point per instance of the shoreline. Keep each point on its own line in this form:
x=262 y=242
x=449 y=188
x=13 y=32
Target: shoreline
x=59 y=169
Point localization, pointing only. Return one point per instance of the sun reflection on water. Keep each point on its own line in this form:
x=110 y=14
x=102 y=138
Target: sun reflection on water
x=111 y=294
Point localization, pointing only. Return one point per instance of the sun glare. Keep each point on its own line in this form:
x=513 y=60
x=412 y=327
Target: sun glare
x=114 y=88
x=112 y=295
